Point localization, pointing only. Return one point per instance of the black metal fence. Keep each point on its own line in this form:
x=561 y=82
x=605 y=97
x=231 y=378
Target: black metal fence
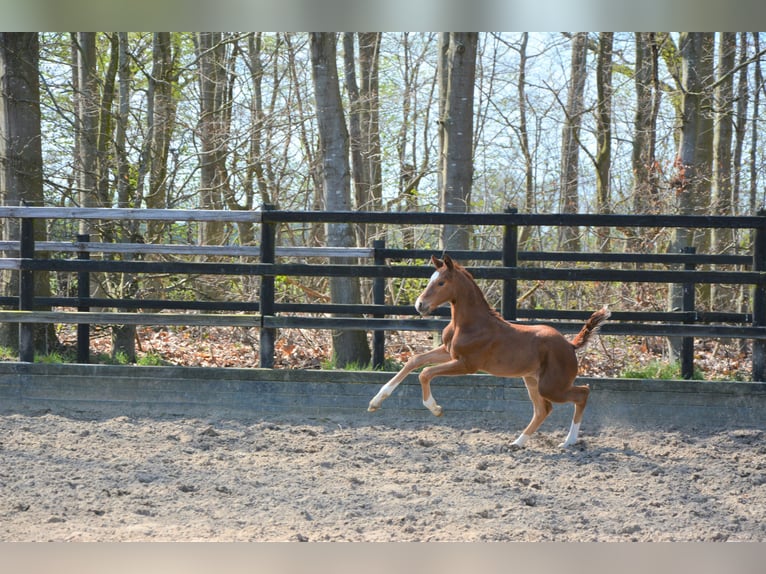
x=269 y=314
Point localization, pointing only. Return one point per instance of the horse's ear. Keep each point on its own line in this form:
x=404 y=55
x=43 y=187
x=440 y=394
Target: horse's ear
x=448 y=262
x=438 y=263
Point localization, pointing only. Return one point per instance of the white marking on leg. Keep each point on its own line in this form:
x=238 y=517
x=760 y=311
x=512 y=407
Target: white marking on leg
x=521 y=441
x=574 y=431
x=384 y=392
x=430 y=404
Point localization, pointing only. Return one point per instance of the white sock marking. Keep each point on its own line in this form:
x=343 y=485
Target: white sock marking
x=522 y=440
x=574 y=431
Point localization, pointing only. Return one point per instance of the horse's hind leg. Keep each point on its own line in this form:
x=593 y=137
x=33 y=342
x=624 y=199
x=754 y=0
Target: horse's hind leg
x=542 y=408
x=579 y=396
x=436 y=356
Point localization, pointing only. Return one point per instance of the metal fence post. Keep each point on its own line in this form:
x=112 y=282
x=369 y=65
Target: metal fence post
x=26 y=290
x=510 y=259
x=759 y=299
x=83 y=292
x=268 y=255
x=378 y=298
x=687 y=344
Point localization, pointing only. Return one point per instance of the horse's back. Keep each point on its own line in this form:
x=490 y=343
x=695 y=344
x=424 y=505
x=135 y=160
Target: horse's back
x=535 y=349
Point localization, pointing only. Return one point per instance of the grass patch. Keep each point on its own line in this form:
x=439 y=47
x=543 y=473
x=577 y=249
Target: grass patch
x=388 y=365
x=151 y=360
x=661 y=370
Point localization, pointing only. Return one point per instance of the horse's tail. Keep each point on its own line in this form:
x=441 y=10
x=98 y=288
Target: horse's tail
x=591 y=326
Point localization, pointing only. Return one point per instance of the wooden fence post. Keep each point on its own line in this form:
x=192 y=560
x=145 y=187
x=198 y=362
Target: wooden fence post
x=759 y=299
x=83 y=292
x=268 y=255
x=510 y=259
x=378 y=298
x=687 y=344
x=26 y=290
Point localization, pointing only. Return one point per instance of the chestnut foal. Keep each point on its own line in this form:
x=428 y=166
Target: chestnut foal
x=478 y=339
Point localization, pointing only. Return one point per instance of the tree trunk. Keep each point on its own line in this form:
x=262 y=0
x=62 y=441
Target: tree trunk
x=349 y=347
x=722 y=138
x=161 y=119
x=569 y=238
x=692 y=172
x=457 y=76
x=604 y=126
x=21 y=164
x=740 y=128
x=754 y=164
x=87 y=115
x=369 y=64
x=213 y=130
x=104 y=143
x=705 y=146
x=359 y=167
x=124 y=336
x=529 y=173
x=255 y=176
x=648 y=94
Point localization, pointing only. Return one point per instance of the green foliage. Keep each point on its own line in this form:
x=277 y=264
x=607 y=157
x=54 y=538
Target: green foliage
x=151 y=360
x=388 y=365
x=120 y=358
x=662 y=370
x=8 y=354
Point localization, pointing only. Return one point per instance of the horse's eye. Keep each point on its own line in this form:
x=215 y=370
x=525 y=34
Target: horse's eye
x=441 y=283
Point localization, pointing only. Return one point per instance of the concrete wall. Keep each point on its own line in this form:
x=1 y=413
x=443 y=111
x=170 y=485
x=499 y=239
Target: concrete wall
x=194 y=391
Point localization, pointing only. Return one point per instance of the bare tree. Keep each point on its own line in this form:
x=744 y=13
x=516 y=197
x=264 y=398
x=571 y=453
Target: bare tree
x=87 y=122
x=348 y=346
x=691 y=179
x=161 y=116
x=457 y=72
x=648 y=94
x=413 y=141
x=740 y=127
x=694 y=159
x=523 y=131
x=213 y=129
x=364 y=129
x=753 y=191
x=21 y=162
x=604 y=121
x=723 y=101
x=126 y=284
x=569 y=238
x=313 y=163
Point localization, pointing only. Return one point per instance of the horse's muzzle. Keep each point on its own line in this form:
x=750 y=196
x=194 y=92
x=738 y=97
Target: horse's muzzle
x=421 y=307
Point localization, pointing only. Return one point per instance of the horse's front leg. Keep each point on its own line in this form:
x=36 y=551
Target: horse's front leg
x=453 y=367
x=436 y=356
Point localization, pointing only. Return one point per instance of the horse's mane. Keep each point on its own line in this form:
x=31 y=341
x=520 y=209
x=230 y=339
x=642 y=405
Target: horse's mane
x=480 y=294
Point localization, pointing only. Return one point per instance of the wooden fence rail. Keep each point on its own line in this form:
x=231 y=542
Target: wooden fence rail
x=269 y=314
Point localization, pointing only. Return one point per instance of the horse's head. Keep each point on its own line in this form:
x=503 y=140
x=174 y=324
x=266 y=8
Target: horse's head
x=440 y=288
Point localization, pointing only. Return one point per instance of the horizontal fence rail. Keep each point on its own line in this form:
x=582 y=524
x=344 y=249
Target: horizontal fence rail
x=266 y=261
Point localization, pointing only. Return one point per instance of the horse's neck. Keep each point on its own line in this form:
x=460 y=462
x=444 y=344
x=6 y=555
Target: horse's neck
x=472 y=306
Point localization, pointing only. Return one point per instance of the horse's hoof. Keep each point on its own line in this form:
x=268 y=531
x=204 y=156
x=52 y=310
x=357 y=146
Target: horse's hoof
x=438 y=411
x=372 y=408
x=520 y=442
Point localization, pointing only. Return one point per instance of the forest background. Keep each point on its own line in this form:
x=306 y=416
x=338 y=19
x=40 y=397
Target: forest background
x=606 y=122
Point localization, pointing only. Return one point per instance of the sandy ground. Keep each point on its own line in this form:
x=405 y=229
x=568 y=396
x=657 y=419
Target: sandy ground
x=77 y=477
